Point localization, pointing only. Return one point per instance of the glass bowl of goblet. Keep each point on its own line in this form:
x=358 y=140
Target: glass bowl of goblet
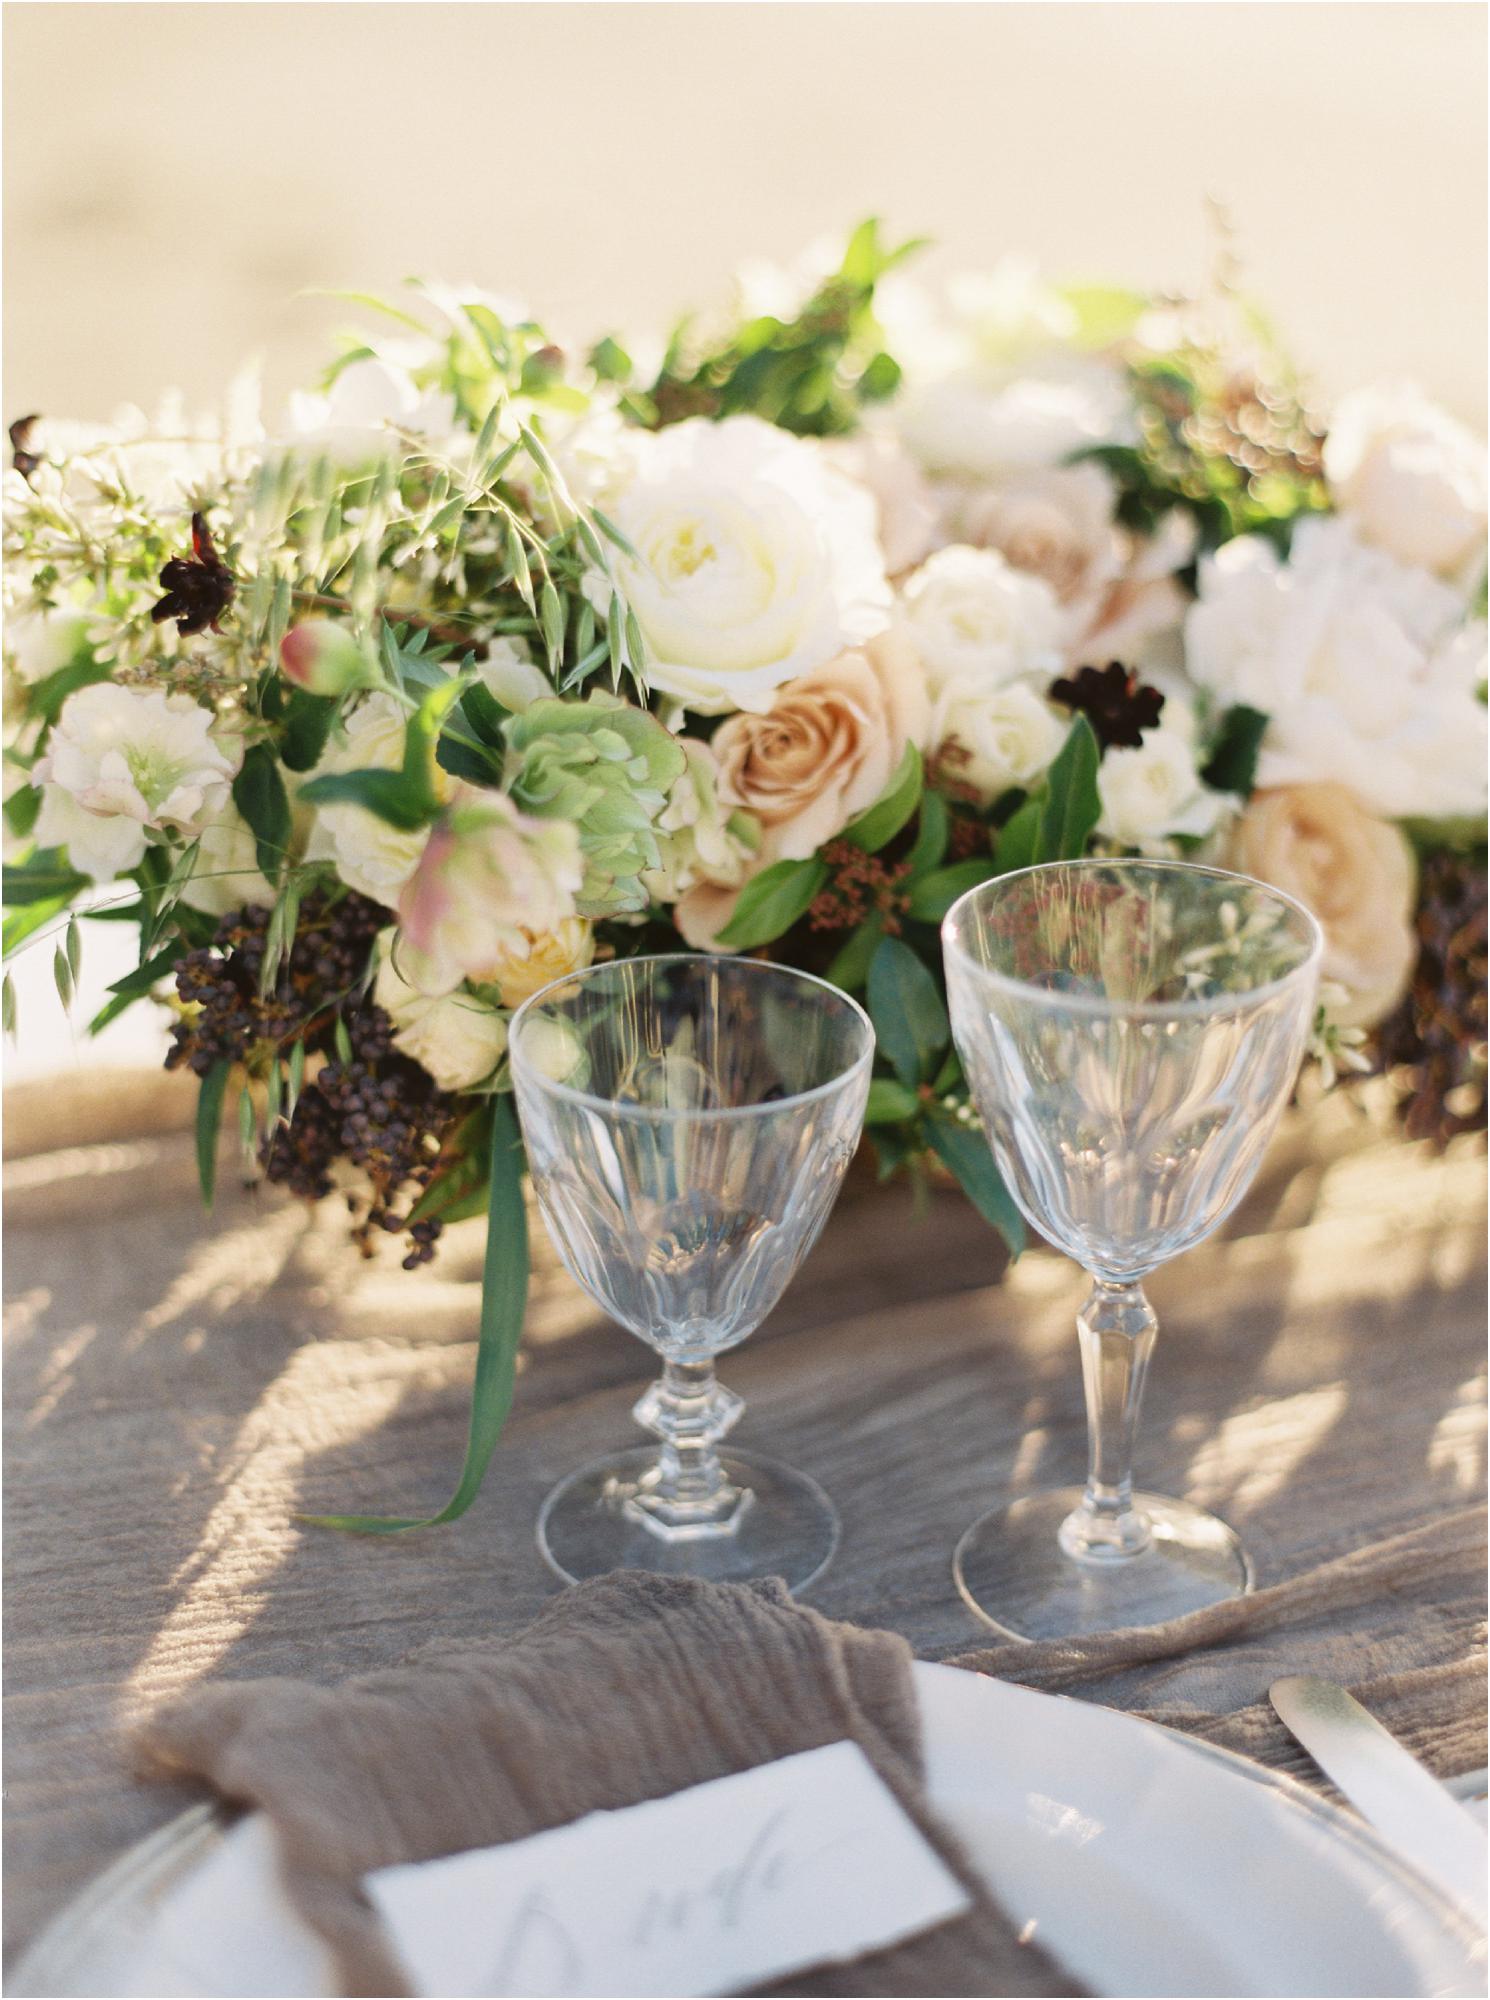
x=688 y=1120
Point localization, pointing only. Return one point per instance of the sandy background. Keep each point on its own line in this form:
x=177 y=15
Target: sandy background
x=175 y=176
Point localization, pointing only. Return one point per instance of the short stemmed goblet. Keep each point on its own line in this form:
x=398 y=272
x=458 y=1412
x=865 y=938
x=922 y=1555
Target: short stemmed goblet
x=1131 y=1031
x=688 y=1121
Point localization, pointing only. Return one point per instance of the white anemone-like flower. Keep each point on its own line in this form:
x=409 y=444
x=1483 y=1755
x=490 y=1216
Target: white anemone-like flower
x=1363 y=664
x=138 y=754
x=99 y=845
x=755 y=561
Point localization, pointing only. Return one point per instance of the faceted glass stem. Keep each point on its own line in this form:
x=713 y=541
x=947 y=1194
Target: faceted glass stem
x=687 y=1495
x=1116 y=1328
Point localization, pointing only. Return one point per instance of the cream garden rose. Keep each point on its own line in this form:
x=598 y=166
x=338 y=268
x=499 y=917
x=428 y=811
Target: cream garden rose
x=371 y=856
x=489 y=882
x=459 y=1038
x=1154 y=792
x=826 y=748
x=549 y=955
x=994 y=738
x=1054 y=522
x=756 y=561
x=971 y=616
x=1356 y=873
x=1410 y=478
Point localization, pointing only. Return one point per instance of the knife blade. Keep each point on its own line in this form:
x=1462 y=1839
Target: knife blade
x=1389 y=1787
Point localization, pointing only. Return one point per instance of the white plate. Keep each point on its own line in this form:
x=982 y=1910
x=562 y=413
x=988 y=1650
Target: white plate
x=1147 y=1863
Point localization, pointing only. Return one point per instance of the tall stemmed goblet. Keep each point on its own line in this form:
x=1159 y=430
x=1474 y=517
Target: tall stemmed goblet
x=1131 y=1031
x=688 y=1121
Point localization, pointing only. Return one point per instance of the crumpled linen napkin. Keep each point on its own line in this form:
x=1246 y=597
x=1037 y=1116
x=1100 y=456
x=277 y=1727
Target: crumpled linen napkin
x=626 y=1688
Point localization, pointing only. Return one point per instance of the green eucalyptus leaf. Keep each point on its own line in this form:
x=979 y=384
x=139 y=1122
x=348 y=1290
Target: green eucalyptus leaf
x=934 y=894
x=890 y=1103
x=1072 y=805
x=504 y=1293
x=1019 y=840
x=209 y=1119
x=388 y=794
x=909 y=1014
x=42 y=879
x=134 y=986
x=850 y=968
x=1233 y=760
x=932 y=835
x=965 y=1154
x=308 y=720
x=259 y=794
x=889 y=813
x=771 y=902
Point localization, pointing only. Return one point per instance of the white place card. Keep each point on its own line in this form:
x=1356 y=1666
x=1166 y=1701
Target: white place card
x=748 y=1878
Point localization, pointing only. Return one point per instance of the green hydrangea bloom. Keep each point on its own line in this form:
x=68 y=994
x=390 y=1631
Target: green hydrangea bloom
x=609 y=768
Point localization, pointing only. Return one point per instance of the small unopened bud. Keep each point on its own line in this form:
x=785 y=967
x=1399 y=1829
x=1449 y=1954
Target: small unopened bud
x=322 y=657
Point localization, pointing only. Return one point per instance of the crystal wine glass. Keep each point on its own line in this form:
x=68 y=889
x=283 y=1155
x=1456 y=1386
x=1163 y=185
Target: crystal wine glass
x=1131 y=1031
x=688 y=1121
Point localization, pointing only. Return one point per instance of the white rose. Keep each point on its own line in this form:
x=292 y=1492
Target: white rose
x=368 y=405
x=1363 y=665
x=458 y=1038
x=972 y=616
x=905 y=504
x=226 y=872
x=756 y=561
x=985 y=422
x=370 y=855
x=999 y=737
x=1154 y=792
x=138 y=753
x=1410 y=478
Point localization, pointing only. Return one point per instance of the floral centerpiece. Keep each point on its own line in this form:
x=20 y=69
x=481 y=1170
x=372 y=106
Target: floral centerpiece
x=492 y=656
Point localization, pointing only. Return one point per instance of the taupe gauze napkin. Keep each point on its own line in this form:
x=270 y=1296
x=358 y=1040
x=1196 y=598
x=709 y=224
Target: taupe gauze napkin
x=627 y=1688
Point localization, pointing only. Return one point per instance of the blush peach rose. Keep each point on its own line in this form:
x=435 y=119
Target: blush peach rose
x=823 y=752
x=1355 y=872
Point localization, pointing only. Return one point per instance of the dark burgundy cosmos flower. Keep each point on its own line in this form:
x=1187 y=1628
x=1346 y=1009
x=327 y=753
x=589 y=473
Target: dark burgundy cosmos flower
x=22 y=457
x=1115 y=702
x=198 y=587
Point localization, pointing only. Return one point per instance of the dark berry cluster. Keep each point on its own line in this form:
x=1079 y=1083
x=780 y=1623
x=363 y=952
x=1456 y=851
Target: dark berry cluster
x=1437 y=1035
x=362 y=1100
x=378 y=1110
x=229 y=1018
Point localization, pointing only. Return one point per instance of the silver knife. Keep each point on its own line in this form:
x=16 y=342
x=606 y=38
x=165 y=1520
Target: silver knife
x=1389 y=1787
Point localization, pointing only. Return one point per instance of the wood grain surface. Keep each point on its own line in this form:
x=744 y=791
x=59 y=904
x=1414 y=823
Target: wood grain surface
x=177 y=1388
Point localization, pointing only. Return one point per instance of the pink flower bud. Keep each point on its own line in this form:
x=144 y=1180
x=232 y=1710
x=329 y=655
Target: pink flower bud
x=322 y=657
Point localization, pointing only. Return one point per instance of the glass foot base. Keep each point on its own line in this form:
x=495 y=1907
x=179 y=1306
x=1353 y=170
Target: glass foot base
x=1012 y=1570
x=788 y=1528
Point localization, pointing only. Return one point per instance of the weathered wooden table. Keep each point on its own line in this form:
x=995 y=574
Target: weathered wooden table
x=178 y=1388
